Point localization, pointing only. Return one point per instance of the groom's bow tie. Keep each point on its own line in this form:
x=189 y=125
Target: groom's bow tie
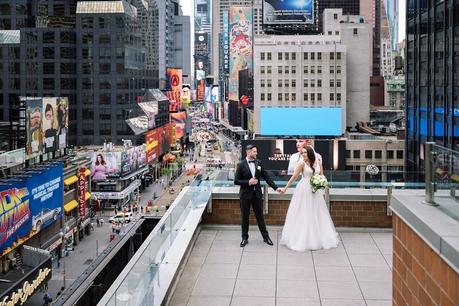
x=251 y=161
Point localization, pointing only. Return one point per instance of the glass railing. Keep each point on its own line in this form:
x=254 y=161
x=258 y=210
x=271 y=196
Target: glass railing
x=445 y=168
x=144 y=280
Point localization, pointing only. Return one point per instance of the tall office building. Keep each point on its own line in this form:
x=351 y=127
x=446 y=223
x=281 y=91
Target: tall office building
x=432 y=79
x=393 y=17
x=349 y=7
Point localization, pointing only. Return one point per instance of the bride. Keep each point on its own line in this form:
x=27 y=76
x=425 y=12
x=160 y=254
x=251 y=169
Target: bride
x=308 y=225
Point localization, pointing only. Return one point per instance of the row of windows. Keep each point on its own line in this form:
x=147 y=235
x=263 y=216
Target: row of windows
x=306 y=97
x=391 y=154
x=292 y=56
x=306 y=83
x=306 y=69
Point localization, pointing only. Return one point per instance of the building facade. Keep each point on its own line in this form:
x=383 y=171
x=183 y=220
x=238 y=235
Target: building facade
x=432 y=80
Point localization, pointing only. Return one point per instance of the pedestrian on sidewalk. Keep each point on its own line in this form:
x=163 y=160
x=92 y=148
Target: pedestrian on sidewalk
x=98 y=222
x=47 y=299
x=116 y=211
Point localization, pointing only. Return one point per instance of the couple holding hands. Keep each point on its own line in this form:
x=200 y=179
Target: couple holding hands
x=308 y=225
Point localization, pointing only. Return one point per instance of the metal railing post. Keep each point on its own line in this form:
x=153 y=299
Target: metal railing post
x=265 y=199
x=429 y=174
x=389 y=195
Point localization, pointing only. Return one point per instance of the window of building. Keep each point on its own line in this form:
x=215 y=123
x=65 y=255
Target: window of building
x=332 y=55
x=313 y=69
x=338 y=83
x=279 y=68
x=305 y=69
x=269 y=70
x=286 y=83
x=305 y=97
x=48 y=68
x=356 y=153
x=104 y=38
x=319 y=69
x=287 y=69
x=312 y=55
x=293 y=96
x=279 y=96
x=378 y=154
x=332 y=97
x=332 y=83
x=104 y=23
x=293 y=69
x=399 y=154
x=319 y=55
x=294 y=83
x=313 y=97
x=69 y=68
x=87 y=22
x=279 y=83
x=293 y=56
x=312 y=82
x=104 y=98
x=355 y=31
x=262 y=96
x=305 y=83
x=48 y=83
x=269 y=97
x=269 y=83
x=319 y=83
x=286 y=55
x=368 y=154
x=338 y=55
x=332 y=69
x=319 y=97
x=305 y=55
x=262 y=70
x=262 y=56
x=390 y=154
x=48 y=38
x=336 y=32
x=269 y=56
x=338 y=69
x=279 y=56
x=330 y=32
x=338 y=97
x=104 y=68
x=262 y=83
x=48 y=53
x=286 y=97
x=335 y=16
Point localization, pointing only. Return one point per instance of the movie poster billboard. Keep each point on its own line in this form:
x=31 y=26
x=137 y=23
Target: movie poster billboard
x=152 y=145
x=133 y=159
x=179 y=121
x=165 y=138
x=277 y=12
x=29 y=204
x=185 y=97
x=55 y=123
x=105 y=165
x=34 y=146
x=240 y=45
x=201 y=55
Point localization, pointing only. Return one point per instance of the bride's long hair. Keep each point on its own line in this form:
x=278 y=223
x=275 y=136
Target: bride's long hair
x=311 y=157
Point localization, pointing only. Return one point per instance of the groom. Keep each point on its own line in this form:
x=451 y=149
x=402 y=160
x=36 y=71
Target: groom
x=248 y=174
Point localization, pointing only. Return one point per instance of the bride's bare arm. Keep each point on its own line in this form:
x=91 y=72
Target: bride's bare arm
x=295 y=175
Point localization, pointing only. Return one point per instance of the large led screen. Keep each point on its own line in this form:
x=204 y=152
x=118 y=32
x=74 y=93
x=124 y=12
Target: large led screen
x=301 y=121
x=288 y=12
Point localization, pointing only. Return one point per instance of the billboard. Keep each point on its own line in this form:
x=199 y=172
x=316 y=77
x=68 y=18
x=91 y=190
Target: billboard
x=225 y=42
x=151 y=145
x=150 y=108
x=179 y=120
x=105 y=165
x=207 y=94
x=132 y=159
x=29 y=203
x=201 y=55
x=304 y=121
x=215 y=94
x=185 y=97
x=47 y=125
x=288 y=12
x=174 y=79
x=240 y=46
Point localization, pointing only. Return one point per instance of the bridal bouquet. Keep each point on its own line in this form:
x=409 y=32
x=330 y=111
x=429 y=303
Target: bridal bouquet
x=318 y=182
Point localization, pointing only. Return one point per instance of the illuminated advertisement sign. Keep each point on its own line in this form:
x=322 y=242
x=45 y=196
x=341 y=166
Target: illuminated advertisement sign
x=82 y=193
x=200 y=90
x=132 y=159
x=240 y=46
x=288 y=12
x=305 y=121
x=29 y=204
x=105 y=164
x=225 y=42
x=151 y=145
x=47 y=125
x=179 y=120
x=215 y=94
x=185 y=97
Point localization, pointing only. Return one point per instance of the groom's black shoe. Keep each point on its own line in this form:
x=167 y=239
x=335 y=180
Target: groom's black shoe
x=244 y=243
x=268 y=241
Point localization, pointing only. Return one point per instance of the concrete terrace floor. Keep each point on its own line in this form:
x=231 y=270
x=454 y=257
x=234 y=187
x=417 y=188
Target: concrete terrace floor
x=219 y=272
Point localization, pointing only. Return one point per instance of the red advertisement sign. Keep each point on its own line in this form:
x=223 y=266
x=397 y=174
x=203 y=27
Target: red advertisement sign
x=82 y=193
x=152 y=145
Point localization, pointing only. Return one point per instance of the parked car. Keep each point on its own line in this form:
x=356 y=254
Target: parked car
x=125 y=217
x=44 y=216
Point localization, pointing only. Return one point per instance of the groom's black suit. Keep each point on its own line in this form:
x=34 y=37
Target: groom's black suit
x=251 y=194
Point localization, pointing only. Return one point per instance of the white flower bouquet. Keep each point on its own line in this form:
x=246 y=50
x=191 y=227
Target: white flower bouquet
x=318 y=182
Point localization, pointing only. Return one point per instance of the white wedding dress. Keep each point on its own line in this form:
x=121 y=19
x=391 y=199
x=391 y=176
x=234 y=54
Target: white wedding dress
x=308 y=225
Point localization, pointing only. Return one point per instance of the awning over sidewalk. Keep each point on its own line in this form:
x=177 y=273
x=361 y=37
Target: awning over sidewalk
x=70 y=206
x=87 y=196
x=70 y=180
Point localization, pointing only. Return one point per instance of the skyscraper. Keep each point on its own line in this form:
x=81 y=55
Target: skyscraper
x=432 y=79
x=350 y=7
x=393 y=17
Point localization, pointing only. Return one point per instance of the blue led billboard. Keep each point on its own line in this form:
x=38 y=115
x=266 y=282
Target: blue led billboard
x=288 y=12
x=28 y=204
x=301 y=121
